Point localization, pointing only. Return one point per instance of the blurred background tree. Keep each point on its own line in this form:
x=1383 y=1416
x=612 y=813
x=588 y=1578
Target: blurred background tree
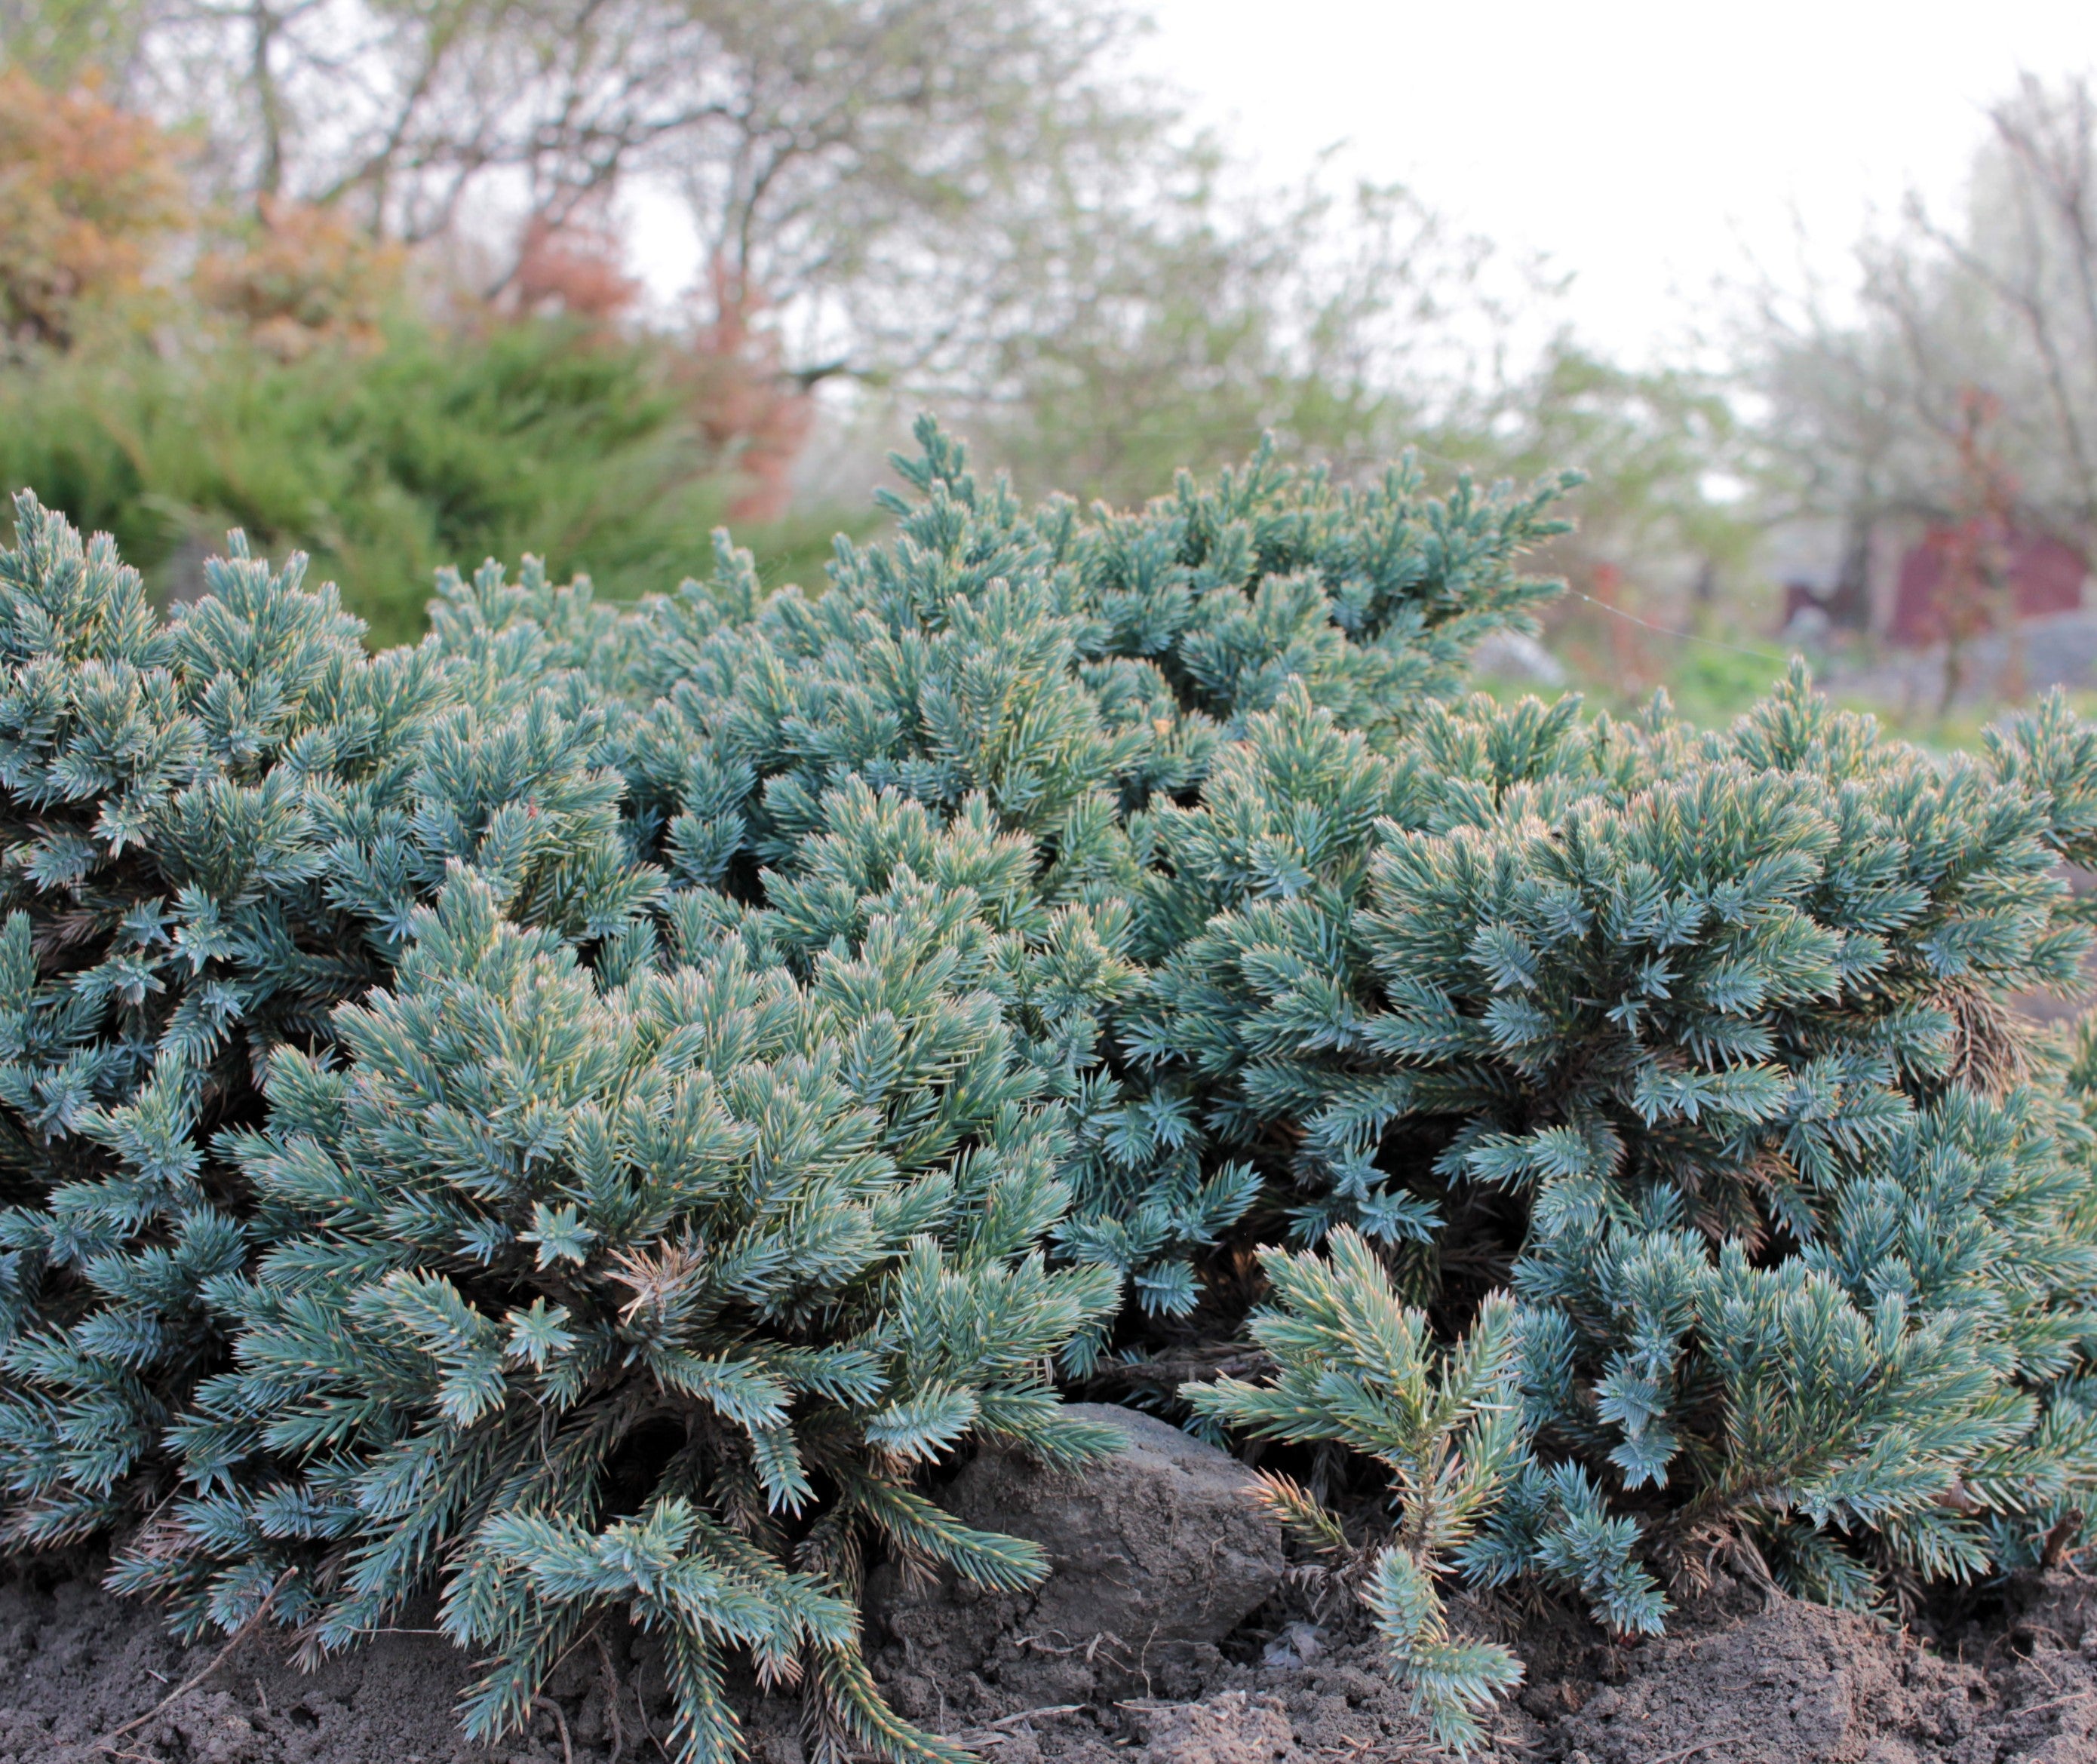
x=1937 y=409
x=88 y=194
x=354 y=275
x=1866 y=401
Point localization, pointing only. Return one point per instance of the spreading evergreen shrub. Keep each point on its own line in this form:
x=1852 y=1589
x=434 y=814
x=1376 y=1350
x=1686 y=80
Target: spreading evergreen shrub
x=1075 y=669
x=215 y=828
x=166 y=791
x=445 y=444
x=590 y=1115
x=586 y=1288
x=1702 y=1044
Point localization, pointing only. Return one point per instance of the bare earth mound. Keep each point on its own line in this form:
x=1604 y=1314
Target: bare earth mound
x=1170 y=1632
x=1746 y=1679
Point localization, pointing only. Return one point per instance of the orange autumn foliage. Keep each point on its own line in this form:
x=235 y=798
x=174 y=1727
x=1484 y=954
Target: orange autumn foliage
x=87 y=192
x=571 y=268
x=302 y=277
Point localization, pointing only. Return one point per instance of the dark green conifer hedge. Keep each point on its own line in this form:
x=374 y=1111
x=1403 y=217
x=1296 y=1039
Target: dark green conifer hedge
x=588 y=1114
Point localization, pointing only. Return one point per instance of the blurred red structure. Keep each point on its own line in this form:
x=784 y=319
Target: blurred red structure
x=2042 y=575
x=753 y=413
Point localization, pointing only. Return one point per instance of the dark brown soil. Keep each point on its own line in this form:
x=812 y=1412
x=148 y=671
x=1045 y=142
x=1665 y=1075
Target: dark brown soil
x=1743 y=1678
x=78 y=1666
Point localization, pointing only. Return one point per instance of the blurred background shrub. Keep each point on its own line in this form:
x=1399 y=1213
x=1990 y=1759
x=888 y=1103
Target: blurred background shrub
x=386 y=282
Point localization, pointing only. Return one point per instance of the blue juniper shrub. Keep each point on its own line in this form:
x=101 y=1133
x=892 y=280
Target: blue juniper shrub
x=585 y=1116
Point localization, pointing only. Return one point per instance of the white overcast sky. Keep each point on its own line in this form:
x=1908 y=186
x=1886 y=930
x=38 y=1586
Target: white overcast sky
x=1643 y=146
x=1646 y=148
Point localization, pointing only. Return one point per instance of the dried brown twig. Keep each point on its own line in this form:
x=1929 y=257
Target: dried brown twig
x=108 y=1742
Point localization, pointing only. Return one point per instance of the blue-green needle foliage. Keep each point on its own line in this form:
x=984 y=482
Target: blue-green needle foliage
x=213 y=828
x=1067 y=666
x=1065 y=669
x=1703 y=1041
x=1716 y=963
x=652 y=1296
x=585 y=1115
x=1354 y=1365
x=856 y=869
x=169 y=795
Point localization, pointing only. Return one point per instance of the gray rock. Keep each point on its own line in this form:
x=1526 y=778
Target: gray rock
x=1156 y=1555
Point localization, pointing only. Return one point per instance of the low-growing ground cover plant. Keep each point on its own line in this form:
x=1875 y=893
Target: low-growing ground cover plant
x=627 y=1270
x=216 y=827
x=1699 y=1044
x=588 y=1115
